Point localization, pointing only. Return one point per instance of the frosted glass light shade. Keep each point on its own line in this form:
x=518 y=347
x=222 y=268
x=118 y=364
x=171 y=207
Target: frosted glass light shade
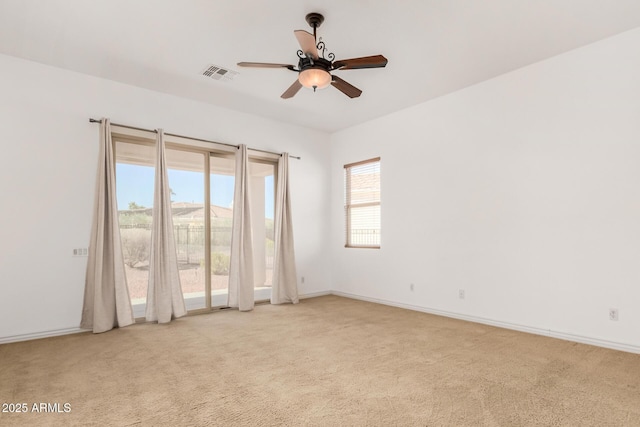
x=314 y=78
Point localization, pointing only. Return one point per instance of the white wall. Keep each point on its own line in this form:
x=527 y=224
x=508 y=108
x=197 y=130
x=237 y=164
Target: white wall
x=523 y=190
x=47 y=178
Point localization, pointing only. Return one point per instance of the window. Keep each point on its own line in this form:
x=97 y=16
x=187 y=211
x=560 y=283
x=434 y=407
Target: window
x=362 y=204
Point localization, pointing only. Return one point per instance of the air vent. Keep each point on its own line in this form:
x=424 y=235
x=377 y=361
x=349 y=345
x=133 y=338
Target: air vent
x=217 y=72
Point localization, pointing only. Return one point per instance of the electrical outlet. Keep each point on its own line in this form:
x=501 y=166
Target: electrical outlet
x=411 y=287
x=613 y=314
x=461 y=293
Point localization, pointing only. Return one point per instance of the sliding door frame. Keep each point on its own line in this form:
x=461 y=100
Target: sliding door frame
x=206 y=149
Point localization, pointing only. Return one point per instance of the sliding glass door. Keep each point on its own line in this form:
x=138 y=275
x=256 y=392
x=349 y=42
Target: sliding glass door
x=186 y=172
x=135 y=170
x=202 y=187
x=201 y=183
x=262 y=173
x=221 y=189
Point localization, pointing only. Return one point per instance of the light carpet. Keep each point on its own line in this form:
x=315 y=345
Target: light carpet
x=328 y=361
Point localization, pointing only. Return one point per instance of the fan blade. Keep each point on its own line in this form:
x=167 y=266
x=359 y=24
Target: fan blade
x=375 y=61
x=265 y=65
x=307 y=43
x=293 y=89
x=344 y=87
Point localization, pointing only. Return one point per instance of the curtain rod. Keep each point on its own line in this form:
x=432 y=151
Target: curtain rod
x=91 y=120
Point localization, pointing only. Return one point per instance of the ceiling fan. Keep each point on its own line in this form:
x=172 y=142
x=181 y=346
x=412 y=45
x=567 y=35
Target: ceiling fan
x=315 y=64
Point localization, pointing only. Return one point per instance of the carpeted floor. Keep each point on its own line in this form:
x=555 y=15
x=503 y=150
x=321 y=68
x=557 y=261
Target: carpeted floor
x=327 y=361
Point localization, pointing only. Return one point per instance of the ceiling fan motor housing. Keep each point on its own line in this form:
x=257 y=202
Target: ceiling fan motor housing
x=319 y=63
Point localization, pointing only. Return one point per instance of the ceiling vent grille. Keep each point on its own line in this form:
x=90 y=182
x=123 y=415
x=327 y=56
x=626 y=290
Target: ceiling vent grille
x=217 y=72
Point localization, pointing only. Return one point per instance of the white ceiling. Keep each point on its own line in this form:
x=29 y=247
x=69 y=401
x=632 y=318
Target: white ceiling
x=434 y=47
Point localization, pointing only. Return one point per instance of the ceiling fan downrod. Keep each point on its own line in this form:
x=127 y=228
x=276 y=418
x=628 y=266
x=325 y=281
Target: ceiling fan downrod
x=314 y=19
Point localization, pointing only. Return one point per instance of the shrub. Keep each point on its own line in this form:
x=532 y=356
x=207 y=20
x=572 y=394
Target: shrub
x=220 y=263
x=135 y=245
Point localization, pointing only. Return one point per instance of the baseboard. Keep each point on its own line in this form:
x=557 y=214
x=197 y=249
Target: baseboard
x=314 y=294
x=38 y=335
x=630 y=348
x=522 y=328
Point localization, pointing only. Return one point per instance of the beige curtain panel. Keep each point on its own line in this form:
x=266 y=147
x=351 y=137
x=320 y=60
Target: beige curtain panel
x=164 y=294
x=241 y=275
x=106 y=295
x=285 y=278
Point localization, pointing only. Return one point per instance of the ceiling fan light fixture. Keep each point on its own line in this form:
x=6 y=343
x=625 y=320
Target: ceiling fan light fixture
x=315 y=78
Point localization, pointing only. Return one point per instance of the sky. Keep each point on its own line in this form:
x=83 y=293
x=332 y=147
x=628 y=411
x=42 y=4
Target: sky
x=135 y=184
